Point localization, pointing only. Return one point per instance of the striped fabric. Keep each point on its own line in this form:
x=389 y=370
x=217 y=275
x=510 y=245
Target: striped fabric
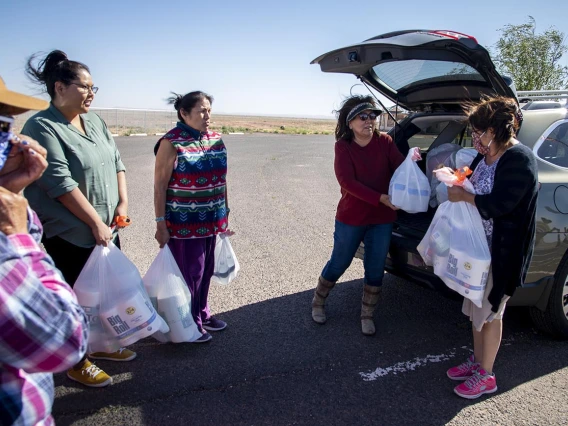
x=42 y=328
x=195 y=199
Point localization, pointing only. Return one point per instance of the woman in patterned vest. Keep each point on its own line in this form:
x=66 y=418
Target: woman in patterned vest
x=190 y=199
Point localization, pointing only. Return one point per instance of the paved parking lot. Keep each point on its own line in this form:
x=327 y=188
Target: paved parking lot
x=273 y=365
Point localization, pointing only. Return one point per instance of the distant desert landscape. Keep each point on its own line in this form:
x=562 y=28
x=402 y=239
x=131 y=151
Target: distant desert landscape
x=287 y=125
x=125 y=122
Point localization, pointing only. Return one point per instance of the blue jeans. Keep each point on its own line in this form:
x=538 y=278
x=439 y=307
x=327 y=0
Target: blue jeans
x=346 y=240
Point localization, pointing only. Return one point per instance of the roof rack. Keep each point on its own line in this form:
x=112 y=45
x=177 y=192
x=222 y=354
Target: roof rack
x=535 y=95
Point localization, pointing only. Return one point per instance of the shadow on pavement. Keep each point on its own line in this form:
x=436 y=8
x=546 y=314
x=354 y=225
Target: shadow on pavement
x=274 y=365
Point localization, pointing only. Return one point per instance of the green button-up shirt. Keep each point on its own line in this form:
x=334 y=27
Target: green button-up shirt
x=90 y=162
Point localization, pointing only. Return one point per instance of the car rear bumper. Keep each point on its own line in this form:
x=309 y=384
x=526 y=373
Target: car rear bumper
x=404 y=261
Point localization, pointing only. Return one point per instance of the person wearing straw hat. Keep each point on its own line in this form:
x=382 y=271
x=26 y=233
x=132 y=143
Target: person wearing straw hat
x=42 y=327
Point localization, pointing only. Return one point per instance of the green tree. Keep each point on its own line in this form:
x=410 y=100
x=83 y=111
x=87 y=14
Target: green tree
x=531 y=59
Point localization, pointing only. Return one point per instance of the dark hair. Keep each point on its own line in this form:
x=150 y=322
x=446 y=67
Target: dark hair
x=342 y=130
x=499 y=113
x=53 y=68
x=187 y=101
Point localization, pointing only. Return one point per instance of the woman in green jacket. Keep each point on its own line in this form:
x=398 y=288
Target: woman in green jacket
x=84 y=186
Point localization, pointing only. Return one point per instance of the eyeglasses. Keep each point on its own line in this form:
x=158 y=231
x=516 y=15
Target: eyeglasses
x=84 y=88
x=364 y=116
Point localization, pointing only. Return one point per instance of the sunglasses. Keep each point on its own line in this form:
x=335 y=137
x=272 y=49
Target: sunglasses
x=364 y=116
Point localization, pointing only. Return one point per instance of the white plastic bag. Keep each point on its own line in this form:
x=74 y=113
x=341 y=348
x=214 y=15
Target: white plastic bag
x=226 y=264
x=441 y=193
x=409 y=188
x=456 y=246
x=170 y=296
x=464 y=157
x=110 y=289
x=443 y=155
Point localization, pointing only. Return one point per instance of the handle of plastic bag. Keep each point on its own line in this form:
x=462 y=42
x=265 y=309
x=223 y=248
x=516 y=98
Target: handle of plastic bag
x=121 y=222
x=415 y=154
x=462 y=174
x=458 y=177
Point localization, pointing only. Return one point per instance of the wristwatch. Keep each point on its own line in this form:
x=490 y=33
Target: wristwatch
x=160 y=219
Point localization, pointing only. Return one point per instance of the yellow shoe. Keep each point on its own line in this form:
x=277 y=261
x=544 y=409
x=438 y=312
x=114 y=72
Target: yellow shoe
x=90 y=375
x=122 y=354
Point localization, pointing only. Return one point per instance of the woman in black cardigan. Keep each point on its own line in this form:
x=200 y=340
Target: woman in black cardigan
x=505 y=180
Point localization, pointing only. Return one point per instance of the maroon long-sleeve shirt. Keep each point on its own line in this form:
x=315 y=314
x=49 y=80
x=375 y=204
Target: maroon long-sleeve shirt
x=364 y=173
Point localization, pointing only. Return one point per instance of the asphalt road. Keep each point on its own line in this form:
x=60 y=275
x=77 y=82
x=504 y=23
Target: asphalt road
x=273 y=365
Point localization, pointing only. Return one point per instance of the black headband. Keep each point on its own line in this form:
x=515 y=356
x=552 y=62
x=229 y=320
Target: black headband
x=359 y=108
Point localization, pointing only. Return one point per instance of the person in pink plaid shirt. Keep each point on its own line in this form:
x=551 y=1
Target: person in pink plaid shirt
x=42 y=327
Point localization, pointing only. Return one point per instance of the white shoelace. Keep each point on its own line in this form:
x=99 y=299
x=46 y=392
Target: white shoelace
x=92 y=370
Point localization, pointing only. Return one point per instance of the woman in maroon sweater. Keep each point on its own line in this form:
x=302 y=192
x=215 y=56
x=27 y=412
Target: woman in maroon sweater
x=365 y=161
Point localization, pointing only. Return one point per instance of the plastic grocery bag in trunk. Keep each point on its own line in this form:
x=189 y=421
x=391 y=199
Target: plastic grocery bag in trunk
x=170 y=296
x=409 y=188
x=226 y=264
x=443 y=155
x=464 y=157
x=110 y=291
x=456 y=246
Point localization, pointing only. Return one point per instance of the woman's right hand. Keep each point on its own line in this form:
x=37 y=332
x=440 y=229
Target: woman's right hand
x=102 y=233
x=386 y=201
x=13 y=213
x=162 y=234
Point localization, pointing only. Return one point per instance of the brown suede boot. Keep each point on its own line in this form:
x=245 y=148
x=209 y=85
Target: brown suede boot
x=368 y=303
x=318 y=302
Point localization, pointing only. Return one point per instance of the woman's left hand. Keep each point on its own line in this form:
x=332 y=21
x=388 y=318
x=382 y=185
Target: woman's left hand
x=455 y=193
x=121 y=210
x=25 y=164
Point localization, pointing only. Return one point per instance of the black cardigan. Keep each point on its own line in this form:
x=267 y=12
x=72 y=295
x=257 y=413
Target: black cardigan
x=512 y=206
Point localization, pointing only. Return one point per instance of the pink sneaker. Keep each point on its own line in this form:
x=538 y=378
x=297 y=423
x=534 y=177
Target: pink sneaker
x=463 y=371
x=479 y=384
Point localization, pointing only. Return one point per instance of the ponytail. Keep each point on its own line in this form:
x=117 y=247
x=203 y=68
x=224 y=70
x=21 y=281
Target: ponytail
x=53 y=68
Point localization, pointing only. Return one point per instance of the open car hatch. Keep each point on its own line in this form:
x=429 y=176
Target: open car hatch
x=421 y=69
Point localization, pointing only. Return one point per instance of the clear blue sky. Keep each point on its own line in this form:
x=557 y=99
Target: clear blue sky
x=252 y=56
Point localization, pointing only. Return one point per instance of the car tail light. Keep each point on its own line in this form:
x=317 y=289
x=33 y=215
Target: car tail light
x=452 y=34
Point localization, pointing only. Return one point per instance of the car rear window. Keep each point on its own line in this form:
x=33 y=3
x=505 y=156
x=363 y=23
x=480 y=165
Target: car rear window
x=403 y=74
x=554 y=148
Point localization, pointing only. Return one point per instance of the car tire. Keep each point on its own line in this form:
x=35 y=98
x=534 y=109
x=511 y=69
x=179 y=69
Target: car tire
x=554 y=320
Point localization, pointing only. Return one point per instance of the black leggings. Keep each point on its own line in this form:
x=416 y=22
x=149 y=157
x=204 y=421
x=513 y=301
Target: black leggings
x=69 y=258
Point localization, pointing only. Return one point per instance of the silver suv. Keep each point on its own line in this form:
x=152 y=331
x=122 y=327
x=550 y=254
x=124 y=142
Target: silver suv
x=430 y=73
